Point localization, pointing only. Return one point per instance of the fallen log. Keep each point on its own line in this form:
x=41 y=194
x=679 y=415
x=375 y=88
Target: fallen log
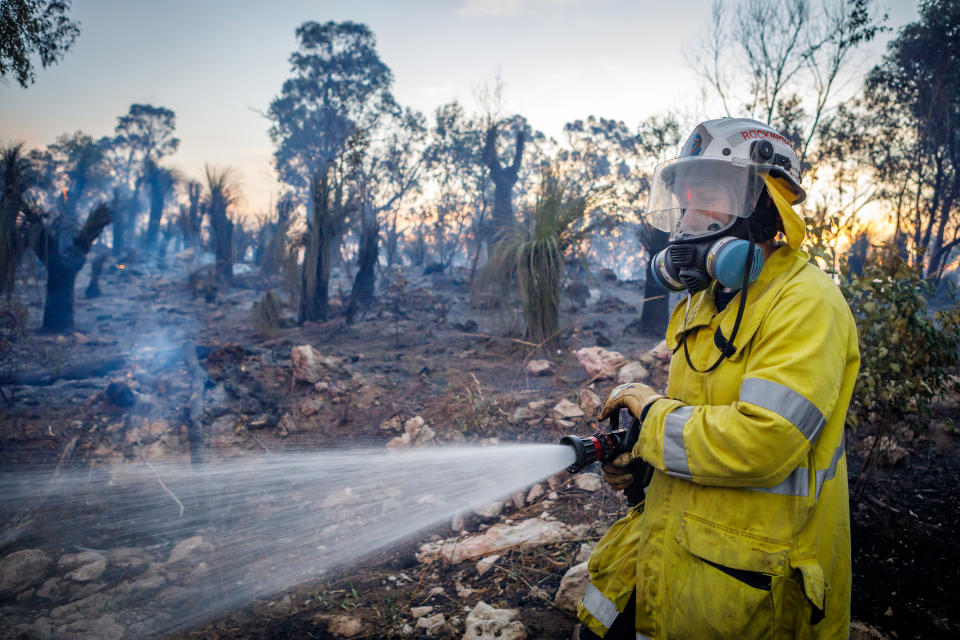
x=81 y=371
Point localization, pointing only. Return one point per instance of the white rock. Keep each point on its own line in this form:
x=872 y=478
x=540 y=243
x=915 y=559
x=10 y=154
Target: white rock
x=599 y=363
x=393 y=424
x=188 y=547
x=485 y=563
x=432 y=625
x=338 y=498
x=589 y=401
x=540 y=368
x=82 y=567
x=458 y=523
x=588 y=481
x=487 y=623
x=419 y=612
x=566 y=409
x=497 y=538
x=491 y=510
x=344 y=626
x=310 y=365
x=536 y=492
x=522 y=413
x=661 y=352
x=23 y=569
x=572 y=587
x=633 y=371
x=583 y=554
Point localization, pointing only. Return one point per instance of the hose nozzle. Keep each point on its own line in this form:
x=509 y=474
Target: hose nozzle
x=601 y=446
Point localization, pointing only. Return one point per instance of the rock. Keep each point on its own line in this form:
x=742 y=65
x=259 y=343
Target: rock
x=861 y=631
x=174 y=596
x=309 y=406
x=310 y=365
x=82 y=567
x=598 y=362
x=487 y=623
x=661 y=352
x=393 y=424
x=458 y=523
x=519 y=499
x=186 y=548
x=22 y=570
x=497 y=538
x=51 y=589
x=572 y=587
x=41 y=629
x=539 y=368
x=583 y=554
x=536 y=492
x=415 y=431
x=339 y=498
x=589 y=402
x=537 y=593
x=419 y=612
x=344 y=626
x=432 y=625
x=588 y=481
x=491 y=510
x=633 y=371
x=522 y=413
x=485 y=563
x=566 y=409
x=102 y=628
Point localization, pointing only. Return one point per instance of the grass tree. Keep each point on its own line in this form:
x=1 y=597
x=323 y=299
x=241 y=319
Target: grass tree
x=16 y=176
x=223 y=191
x=529 y=261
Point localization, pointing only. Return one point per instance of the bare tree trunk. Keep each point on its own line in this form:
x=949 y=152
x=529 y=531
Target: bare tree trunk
x=324 y=223
x=364 y=285
x=503 y=178
x=63 y=267
x=119 y=223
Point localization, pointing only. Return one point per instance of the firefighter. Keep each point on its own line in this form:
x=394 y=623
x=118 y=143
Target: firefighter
x=744 y=530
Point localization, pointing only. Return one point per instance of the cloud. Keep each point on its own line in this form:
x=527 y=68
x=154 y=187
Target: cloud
x=505 y=7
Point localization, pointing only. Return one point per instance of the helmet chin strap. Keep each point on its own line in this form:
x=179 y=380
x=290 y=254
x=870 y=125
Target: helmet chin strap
x=726 y=347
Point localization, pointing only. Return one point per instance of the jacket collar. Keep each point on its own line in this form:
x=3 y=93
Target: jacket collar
x=779 y=268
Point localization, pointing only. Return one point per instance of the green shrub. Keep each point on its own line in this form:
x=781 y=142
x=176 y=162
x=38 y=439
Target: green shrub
x=908 y=356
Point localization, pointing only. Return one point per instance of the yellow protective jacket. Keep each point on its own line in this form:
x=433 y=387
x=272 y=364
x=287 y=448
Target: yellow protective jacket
x=745 y=531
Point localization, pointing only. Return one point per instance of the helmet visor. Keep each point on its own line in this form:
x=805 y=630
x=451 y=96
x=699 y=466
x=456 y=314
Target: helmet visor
x=695 y=197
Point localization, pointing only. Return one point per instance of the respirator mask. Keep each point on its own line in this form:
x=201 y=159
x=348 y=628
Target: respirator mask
x=705 y=205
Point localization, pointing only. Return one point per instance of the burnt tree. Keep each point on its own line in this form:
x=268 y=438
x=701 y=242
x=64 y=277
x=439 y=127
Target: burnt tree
x=364 y=283
x=503 y=177
x=325 y=222
x=64 y=264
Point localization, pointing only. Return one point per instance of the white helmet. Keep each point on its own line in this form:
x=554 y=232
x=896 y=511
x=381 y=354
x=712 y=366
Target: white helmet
x=719 y=177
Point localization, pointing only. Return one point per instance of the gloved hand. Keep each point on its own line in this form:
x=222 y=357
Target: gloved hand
x=617 y=472
x=634 y=396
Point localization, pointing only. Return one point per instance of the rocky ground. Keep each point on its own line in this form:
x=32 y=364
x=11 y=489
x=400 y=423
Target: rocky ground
x=424 y=368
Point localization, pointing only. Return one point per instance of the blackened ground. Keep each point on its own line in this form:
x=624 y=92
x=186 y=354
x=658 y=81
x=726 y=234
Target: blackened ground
x=905 y=531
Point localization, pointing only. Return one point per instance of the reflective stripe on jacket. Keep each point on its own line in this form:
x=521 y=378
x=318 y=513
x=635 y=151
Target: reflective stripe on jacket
x=745 y=530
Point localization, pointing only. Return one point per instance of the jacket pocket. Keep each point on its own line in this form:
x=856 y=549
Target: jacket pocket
x=727 y=585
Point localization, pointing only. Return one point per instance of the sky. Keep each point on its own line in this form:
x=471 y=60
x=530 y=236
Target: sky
x=218 y=63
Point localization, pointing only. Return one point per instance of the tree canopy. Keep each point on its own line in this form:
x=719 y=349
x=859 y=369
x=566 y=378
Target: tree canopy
x=33 y=28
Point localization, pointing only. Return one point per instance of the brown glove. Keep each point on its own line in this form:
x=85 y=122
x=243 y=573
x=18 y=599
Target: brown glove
x=617 y=472
x=634 y=396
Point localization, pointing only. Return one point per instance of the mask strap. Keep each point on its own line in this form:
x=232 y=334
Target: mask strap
x=726 y=347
